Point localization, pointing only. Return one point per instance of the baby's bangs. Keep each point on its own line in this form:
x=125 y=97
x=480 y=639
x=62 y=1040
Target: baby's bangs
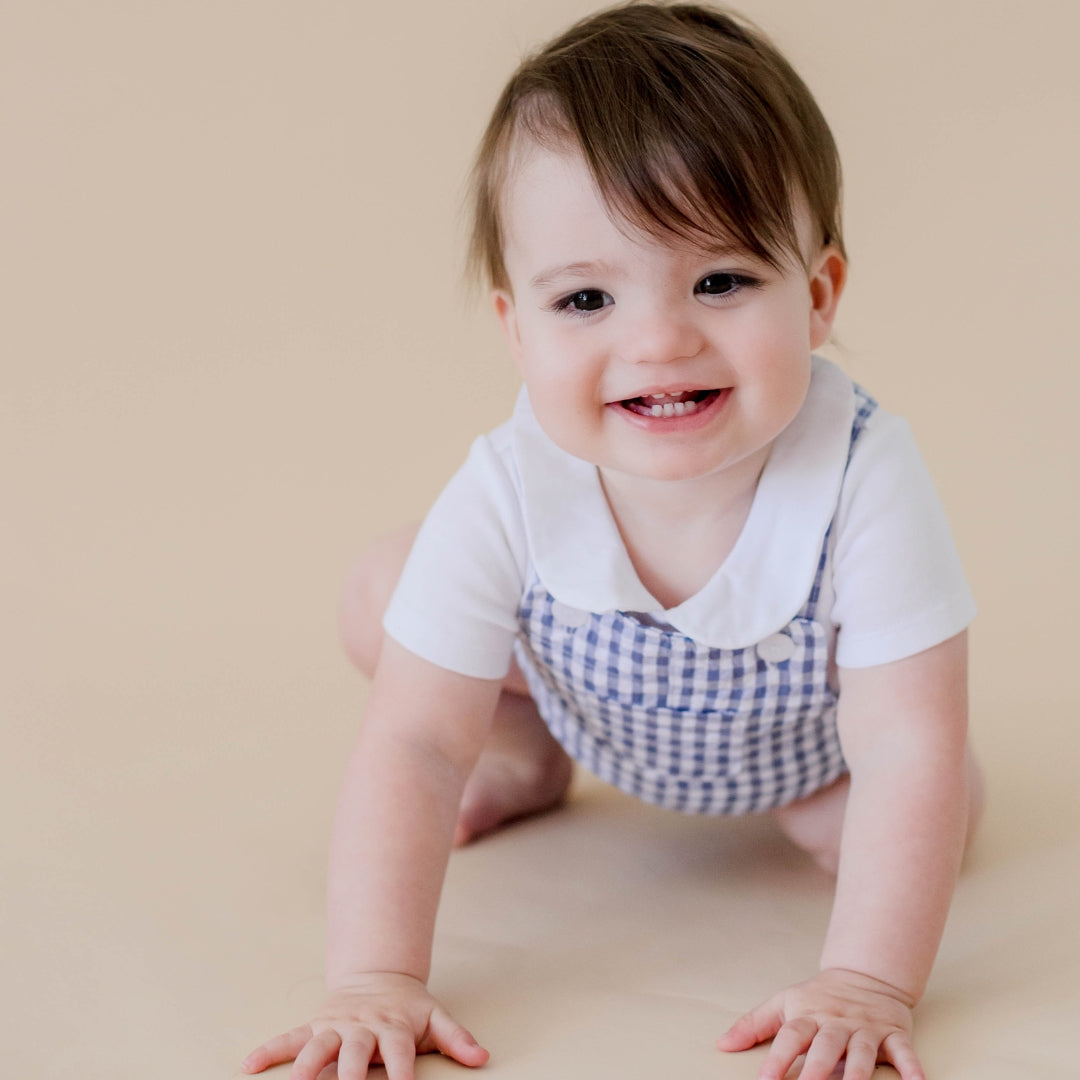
x=678 y=145
x=680 y=192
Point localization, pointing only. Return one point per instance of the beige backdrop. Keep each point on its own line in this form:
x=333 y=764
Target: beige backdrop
x=235 y=347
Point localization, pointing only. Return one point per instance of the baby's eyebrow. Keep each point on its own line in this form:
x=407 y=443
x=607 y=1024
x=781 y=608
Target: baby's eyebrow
x=575 y=269
x=599 y=268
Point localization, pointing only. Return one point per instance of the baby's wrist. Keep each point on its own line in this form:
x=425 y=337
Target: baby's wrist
x=873 y=983
x=355 y=980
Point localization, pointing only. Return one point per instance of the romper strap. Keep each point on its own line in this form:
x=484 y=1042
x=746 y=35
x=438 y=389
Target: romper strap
x=809 y=610
x=865 y=407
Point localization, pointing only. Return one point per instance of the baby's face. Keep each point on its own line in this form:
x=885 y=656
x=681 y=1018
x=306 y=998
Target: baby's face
x=661 y=361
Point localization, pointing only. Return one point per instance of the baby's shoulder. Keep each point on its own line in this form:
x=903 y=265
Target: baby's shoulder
x=485 y=490
x=492 y=461
x=500 y=442
x=866 y=406
x=878 y=436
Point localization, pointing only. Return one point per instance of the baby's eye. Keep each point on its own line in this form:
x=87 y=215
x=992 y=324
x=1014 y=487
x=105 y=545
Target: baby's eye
x=584 y=302
x=725 y=284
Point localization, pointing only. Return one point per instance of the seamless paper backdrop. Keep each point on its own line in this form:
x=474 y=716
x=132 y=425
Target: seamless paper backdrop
x=235 y=347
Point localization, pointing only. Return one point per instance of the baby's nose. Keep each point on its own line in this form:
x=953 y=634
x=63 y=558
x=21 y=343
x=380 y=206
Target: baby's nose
x=660 y=337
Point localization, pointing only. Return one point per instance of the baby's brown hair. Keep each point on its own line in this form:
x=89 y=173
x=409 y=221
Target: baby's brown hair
x=690 y=121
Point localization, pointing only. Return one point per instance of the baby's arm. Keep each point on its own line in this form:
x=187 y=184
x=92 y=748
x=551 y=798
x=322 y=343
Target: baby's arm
x=903 y=727
x=422 y=733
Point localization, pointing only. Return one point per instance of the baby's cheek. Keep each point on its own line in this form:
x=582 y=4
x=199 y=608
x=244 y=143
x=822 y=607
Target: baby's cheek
x=786 y=364
x=562 y=420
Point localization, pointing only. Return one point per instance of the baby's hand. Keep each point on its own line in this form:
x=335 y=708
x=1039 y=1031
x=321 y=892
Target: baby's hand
x=837 y=1013
x=380 y=1017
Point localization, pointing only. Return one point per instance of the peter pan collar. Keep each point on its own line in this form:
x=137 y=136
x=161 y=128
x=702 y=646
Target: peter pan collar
x=767 y=577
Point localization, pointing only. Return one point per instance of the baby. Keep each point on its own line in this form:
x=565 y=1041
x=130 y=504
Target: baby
x=698 y=559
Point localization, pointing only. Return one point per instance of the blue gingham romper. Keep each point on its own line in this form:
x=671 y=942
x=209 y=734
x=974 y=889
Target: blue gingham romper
x=679 y=724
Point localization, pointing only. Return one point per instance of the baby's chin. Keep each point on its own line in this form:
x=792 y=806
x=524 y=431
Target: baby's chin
x=709 y=473
x=627 y=457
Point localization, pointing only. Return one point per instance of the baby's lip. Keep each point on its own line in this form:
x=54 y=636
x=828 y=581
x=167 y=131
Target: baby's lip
x=660 y=396
x=676 y=392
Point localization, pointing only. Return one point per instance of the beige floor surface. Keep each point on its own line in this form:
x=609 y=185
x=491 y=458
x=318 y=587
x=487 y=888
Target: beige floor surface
x=233 y=349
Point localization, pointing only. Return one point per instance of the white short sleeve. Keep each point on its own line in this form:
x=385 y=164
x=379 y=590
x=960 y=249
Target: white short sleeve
x=457 y=600
x=899 y=587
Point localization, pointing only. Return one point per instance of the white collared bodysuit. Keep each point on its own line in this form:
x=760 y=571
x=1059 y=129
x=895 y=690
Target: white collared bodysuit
x=726 y=703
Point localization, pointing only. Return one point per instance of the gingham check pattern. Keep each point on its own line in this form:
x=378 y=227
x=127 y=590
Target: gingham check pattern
x=680 y=725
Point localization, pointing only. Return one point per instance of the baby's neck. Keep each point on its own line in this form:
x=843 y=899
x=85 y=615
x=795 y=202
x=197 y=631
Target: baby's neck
x=679 y=532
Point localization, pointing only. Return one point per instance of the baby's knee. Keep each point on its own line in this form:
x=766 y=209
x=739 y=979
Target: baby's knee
x=367 y=593
x=816 y=823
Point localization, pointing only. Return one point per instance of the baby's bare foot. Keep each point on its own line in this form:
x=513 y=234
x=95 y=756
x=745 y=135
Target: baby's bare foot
x=522 y=771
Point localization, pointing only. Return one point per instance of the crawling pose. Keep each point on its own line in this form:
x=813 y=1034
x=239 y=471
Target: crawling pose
x=697 y=559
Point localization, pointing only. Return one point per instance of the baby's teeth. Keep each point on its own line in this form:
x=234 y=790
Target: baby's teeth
x=654 y=407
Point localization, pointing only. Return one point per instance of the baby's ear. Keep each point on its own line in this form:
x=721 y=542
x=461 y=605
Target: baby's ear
x=503 y=303
x=828 y=273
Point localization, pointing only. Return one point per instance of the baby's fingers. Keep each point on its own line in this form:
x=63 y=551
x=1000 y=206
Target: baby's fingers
x=355 y=1055
x=754 y=1027
x=793 y=1039
x=318 y=1053
x=829 y=1046
x=899 y=1050
x=275 y=1051
x=397 y=1048
x=447 y=1036
x=862 y=1057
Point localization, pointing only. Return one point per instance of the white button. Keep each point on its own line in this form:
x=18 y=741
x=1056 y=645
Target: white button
x=776 y=648
x=569 y=616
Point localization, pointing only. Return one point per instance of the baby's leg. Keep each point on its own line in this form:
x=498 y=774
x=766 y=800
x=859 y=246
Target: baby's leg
x=815 y=823
x=522 y=769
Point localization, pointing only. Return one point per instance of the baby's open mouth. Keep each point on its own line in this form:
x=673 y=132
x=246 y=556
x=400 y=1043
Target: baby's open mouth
x=678 y=404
